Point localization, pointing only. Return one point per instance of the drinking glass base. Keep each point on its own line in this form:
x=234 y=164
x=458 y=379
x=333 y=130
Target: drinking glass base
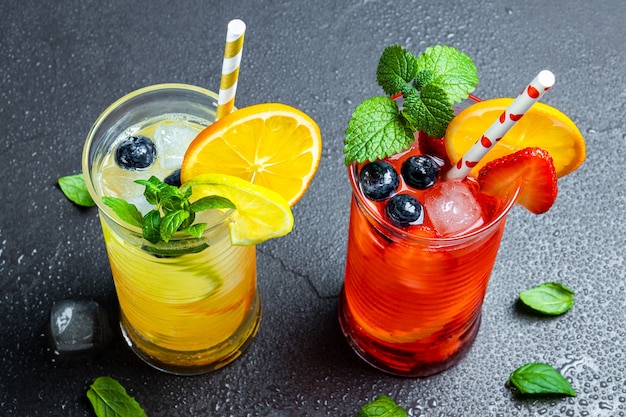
x=403 y=359
x=194 y=362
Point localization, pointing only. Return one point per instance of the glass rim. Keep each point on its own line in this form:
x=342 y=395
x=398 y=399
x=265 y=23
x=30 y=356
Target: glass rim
x=508 y=203
x=92 y=134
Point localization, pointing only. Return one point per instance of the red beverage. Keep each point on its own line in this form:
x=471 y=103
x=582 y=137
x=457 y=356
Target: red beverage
x=412 y=296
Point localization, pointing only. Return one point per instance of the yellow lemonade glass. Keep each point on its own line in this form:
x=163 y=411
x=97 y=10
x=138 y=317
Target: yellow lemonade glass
x=190 y=305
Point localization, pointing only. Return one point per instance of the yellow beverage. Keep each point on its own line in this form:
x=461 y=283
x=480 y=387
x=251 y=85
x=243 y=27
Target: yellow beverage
x=190 y=305
x=192 y=310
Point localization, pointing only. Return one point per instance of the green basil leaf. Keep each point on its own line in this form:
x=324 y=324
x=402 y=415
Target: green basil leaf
x=150 y=227
x=188 y=193
x=153 y=187
x=169 y=191
x=173 y=212
x=75 y=189
x=109 y=399
x=382 y=406
x=195 y=230
x=171 y=222
x=173 y=203
x=551 y=298
x=211 y=202
x=189 y=220
x=540 y=378
x=126 y=211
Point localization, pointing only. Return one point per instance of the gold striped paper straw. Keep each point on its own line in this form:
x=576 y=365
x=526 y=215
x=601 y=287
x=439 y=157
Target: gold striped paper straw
x=230 y=67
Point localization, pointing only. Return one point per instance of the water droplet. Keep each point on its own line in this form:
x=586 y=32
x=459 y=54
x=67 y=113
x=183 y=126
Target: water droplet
x=605 y=406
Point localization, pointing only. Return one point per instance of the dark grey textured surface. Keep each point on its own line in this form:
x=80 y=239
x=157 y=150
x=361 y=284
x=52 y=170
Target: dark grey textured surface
x=63 y=62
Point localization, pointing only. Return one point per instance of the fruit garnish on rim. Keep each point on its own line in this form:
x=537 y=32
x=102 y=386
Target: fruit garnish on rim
x=542 y=127
x=257 y=161
x=496 y=144
x=271 y=144
x=531 y=169
x=260 y=214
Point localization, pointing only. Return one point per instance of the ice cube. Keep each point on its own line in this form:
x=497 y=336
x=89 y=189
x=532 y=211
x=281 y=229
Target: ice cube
x=140 y=202
x=452 y=208
x=172 y=140
x=78 y=328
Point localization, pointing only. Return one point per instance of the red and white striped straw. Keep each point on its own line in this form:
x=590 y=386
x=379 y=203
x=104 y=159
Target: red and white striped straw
x=529 y=96
x=230 y=67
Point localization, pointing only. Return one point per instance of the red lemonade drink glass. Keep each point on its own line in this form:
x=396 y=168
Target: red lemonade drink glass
x=428 y=212
x=412 y=297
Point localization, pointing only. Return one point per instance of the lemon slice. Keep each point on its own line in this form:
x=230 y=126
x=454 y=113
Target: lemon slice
x=261 y=214
x=273 y=145
x=543 y=127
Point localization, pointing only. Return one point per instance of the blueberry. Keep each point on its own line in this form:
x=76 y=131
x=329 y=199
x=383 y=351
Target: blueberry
x=420 y=172
x=378 y=180
x=404 y=210
x=135 y=152
x=173 y=178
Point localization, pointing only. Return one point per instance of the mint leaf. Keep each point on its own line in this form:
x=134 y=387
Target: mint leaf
x=396 y=68
x=431 y=111
x=423 y=78
x=375 y=131
x=382 y=406
x=124 y=210
x=153 y=187
x=75 y=189
x=211 y=202
x=109 y=399
x=151 y=226
x=540 y=378
x=551 y=298
x=195 y=230
x=453 y=71
x=171 y=222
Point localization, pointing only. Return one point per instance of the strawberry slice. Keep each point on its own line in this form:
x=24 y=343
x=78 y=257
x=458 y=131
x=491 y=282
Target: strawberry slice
x=433 y=146
x=531 y=168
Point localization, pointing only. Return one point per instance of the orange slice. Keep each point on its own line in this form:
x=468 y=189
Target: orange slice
x=272 y=145
x=542 y=127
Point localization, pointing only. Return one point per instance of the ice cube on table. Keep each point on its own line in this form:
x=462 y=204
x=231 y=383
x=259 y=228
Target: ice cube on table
x=78 y=328
x=452 y=208
x=171 y=141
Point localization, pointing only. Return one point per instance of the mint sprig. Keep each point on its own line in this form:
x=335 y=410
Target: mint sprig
x=109 y=399
x=429 y=84
x=173 y=211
